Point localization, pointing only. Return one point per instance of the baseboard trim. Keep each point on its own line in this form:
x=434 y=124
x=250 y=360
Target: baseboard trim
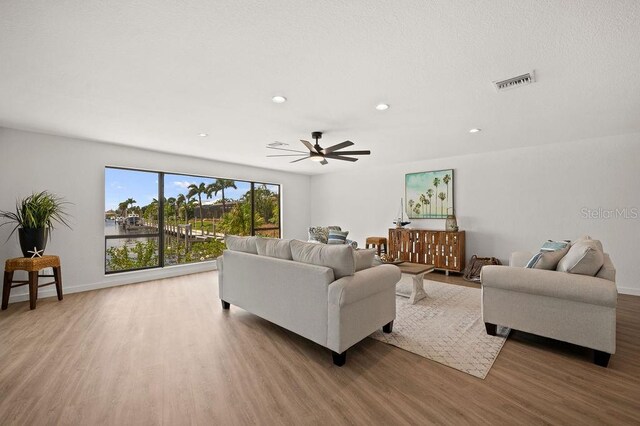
x=120 y=279
x=629 y=291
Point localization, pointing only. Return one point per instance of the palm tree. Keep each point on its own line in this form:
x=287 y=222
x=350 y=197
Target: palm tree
x=180 y=201
x=219 y=186
x=428 y=202
x=122 y=208
x=171 y=201
x=423 y=200
x=417 y=208
x=446 y=179
x=429 y=194
x=442 y=196
x=411 y=203
x=198 y=190
x=436 y=182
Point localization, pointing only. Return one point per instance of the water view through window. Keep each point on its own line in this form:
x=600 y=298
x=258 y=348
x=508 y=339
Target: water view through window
x=193 y=212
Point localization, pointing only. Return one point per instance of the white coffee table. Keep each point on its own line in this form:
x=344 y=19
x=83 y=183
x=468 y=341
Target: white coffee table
x=417 y=272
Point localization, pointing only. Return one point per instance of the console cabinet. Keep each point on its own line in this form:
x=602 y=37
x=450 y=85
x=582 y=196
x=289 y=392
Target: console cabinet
x=443 y=249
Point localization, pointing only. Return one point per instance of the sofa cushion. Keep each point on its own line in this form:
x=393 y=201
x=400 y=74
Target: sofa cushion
x=337 y=257
x=337 y=237
x=274 y=247
x=243 y=244
x=364 y=258
x=585 y=257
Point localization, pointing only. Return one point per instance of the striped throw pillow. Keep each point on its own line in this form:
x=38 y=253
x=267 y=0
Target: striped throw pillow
x=337 y=237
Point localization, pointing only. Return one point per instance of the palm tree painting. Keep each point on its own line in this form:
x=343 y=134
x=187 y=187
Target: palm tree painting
x=434 y=192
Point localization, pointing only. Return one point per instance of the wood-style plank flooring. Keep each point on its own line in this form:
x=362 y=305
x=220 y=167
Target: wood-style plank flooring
x=164 y=352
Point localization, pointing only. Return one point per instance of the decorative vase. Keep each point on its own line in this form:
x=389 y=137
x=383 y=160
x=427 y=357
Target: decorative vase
x=452 y=223
x=32 y=241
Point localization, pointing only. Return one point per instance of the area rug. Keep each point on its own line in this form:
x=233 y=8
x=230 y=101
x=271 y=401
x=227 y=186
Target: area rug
x=445 y=327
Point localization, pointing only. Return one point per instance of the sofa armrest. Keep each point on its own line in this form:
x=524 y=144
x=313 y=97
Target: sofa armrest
x=562 y=285
x=363 y=284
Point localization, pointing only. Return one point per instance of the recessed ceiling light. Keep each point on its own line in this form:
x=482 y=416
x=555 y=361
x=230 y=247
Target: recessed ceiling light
x=382 y=107
x=203 y=135
x=476 y=130
x=279 y=99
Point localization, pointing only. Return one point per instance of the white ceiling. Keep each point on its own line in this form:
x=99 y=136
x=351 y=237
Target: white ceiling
x=155 y=74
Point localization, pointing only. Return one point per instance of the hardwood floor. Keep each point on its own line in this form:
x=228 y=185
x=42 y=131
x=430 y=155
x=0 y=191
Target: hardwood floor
x=164 y=352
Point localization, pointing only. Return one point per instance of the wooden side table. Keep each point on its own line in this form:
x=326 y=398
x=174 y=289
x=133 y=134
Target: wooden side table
x=417 y=272
x=378 y=242
x=33 y=266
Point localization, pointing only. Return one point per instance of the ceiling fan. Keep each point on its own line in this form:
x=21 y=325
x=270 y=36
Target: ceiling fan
x=319 y=154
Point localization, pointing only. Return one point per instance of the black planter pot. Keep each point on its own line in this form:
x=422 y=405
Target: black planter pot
x=32 y=240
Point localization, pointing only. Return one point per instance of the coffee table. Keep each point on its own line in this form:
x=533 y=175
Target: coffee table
x=417 y=272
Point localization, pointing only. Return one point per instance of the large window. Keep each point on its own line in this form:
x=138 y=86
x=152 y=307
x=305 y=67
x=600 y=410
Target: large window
x=193 y=212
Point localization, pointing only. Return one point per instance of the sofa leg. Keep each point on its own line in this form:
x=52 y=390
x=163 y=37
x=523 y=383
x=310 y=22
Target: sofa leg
x=491 y=328
x=339 y=359
x=225 y=305
x=388 y=328
x=601 y=358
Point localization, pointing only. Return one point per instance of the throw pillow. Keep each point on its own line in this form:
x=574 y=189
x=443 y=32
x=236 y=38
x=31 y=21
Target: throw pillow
x=364 y=258
x=244 y=244
x=585 y=257
x=274 y=247
x=550 y=254
x=318 y=234
x=337 y=257
x=337 y=237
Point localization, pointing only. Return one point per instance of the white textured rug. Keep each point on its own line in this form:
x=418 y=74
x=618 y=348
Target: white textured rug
x=446 y=327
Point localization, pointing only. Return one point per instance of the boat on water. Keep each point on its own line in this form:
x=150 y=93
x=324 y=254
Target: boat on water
x=133 y=219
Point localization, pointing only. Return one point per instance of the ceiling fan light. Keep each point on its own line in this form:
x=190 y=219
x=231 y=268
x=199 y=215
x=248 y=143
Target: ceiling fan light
x=317 y=158
x=382 y=107
x=279 y=99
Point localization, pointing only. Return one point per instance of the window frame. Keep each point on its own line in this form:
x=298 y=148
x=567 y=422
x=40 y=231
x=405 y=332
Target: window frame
x=161 y=219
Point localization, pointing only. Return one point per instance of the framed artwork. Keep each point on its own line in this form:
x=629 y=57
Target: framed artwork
x=429 y=195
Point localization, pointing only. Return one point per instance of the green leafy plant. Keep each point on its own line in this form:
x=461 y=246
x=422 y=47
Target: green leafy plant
x=38 y=210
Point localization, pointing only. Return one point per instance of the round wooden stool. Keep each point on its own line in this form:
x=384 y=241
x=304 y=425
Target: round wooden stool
x=378 y=242
x=33 y=266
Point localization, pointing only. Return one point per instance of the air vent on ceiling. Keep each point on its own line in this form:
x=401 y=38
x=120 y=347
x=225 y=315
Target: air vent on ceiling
x=276 y=144
x=513 y=82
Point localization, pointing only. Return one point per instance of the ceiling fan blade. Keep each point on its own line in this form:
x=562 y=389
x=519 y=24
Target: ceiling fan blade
x=285 y=149
x=367 y=152
x=339 y=157
x=287 y=155
x=300 y=159
x=324 y=162
x=341 y=145
x=309 y=146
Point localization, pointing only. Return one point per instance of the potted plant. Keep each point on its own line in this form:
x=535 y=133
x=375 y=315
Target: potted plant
x=34 y=219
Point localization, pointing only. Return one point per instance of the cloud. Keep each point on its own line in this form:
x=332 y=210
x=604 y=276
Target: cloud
x=184 y=184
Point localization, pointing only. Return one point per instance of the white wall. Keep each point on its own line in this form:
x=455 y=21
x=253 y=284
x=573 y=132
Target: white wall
x=74 y=169
x=508 y=200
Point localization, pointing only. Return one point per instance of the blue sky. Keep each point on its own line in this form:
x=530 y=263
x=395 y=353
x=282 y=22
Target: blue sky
x=143 y=187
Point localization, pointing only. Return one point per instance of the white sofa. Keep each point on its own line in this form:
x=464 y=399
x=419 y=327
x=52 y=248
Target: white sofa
x=307 y=298
x=574 y=308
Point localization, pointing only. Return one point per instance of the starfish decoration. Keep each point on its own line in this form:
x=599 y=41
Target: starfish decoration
x=35 y=252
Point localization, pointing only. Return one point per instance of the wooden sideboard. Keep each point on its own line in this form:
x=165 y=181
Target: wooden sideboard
x=443 y=249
